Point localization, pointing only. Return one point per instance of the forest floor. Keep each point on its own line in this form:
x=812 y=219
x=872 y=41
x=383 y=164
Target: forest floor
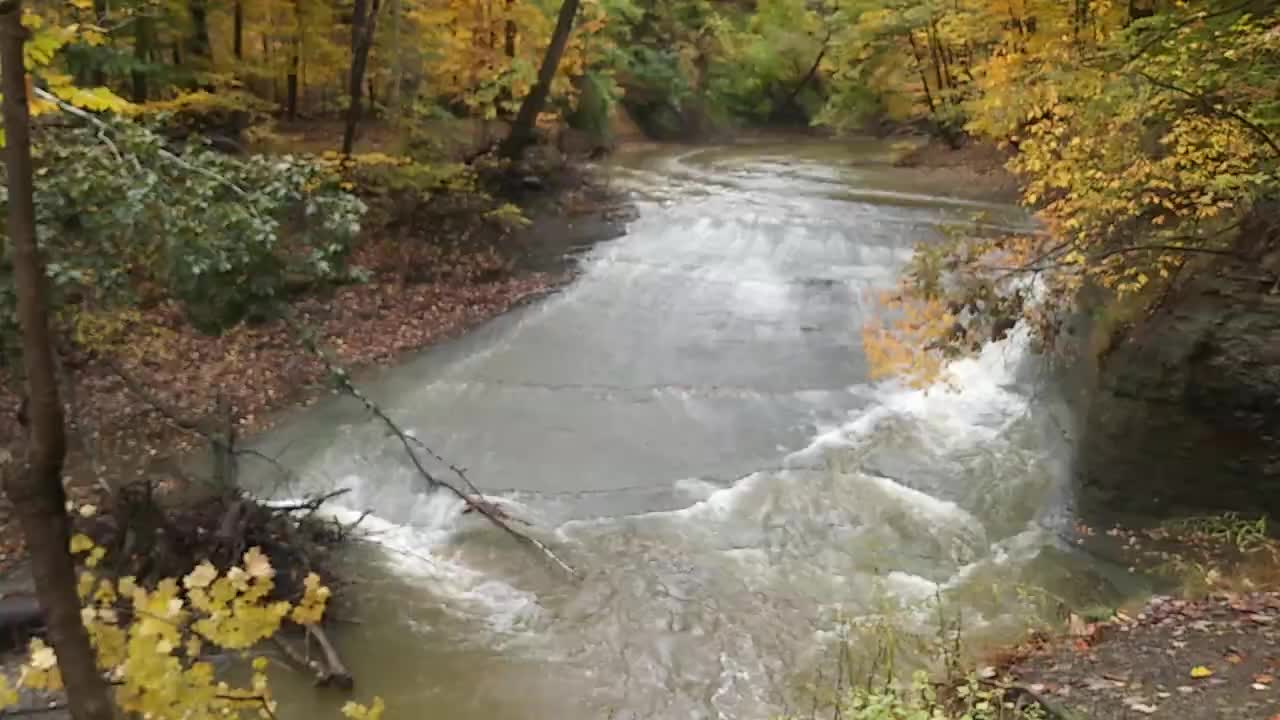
x=1207 y=648
x=1217 y=657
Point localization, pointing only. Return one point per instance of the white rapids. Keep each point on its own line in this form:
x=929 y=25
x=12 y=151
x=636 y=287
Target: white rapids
x=689 y=424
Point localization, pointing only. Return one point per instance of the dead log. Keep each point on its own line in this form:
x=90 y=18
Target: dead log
x=300 y=659
x=338 y=673
x=343 y=379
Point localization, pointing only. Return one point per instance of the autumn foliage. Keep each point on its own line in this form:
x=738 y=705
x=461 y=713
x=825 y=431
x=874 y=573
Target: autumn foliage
x=157 y=644
x=1145 y=138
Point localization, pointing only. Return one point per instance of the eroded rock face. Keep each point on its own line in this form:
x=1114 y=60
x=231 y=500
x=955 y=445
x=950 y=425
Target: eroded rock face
x=1184 y=415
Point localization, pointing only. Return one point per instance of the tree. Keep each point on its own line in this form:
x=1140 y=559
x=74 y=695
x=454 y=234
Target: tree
x=364 y=17
x=142 y=42
x=199 y=43
x=522 y=129
x=237 y=30
x=36 y=488
x=1146 y=141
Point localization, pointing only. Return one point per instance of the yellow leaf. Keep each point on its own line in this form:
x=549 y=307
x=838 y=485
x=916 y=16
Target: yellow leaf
x=8 y=696
x=204 y=574
x=80 y=543
x=42 y=656
x=257 y=564
x=1200 y=672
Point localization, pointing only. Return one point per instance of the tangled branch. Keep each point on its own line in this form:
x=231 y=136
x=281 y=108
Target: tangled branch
x=474 y=500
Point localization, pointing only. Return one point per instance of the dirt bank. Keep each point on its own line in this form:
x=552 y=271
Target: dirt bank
x=979 y=167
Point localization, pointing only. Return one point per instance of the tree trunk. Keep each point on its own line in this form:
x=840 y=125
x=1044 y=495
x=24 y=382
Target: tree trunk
x=199 y=44
x=924 y=79
x=808 y=77
x=237 y=30
x=291 y=84
x=142 y=55
x=35 y=489
x=364 y=19
x=944 y=54
x=522 y=129
x=509 y=32
x=100 y=12
x=397 y=67
x=937 y=63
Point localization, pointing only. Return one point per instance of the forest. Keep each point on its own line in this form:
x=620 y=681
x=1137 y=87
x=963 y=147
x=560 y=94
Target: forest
x=194 y=188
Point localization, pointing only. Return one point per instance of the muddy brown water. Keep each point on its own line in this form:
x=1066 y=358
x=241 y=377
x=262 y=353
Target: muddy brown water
x=691 y=426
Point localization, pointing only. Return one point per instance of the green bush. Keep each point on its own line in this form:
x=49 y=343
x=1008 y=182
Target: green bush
x=126 y=220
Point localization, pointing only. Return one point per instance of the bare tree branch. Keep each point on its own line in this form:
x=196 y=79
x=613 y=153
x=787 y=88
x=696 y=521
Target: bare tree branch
x=1210 y=108
x=474 y=501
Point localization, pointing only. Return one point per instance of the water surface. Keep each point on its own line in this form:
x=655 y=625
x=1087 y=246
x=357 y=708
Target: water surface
x=691 y=426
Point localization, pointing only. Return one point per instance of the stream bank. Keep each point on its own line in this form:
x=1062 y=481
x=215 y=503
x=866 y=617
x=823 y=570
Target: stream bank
x=1174 y=410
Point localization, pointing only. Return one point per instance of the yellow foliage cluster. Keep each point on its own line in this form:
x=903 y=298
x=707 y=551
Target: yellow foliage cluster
x=46 y=40
x=486 y=53
x=1143 y=136
x=908 y=341
x=154 y=644
x=118 y=330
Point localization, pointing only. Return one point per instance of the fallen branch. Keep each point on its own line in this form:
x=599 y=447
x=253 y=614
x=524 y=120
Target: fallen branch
x=475 y=501
x=297 y=657
x=312 y=504
x=345 y=530
x=461 y=473
x=338 y=673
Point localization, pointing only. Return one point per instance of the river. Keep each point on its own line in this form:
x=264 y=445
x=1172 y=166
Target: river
x=690 y=425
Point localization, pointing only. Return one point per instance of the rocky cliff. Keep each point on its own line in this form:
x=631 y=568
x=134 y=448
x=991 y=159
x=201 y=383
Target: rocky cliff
x=1182 y=415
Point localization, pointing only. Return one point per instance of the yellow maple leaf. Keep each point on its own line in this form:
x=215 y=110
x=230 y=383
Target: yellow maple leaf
x=1200 y=672
x=204 y=574
x=80 y=543
x=42 y=656
x=257 y=564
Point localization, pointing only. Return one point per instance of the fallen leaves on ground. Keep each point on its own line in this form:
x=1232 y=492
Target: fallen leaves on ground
x=257 y=369
x=1162 y=661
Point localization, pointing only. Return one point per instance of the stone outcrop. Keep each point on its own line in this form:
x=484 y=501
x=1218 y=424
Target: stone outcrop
x=1183 y=414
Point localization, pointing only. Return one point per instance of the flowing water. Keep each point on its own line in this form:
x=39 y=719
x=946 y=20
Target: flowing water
x=690 y=425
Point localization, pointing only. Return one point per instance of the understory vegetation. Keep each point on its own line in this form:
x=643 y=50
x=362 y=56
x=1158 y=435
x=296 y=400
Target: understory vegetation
x=970 y=699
